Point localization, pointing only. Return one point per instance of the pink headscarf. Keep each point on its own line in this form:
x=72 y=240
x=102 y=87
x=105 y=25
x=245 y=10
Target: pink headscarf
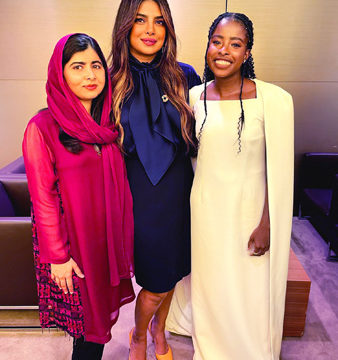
x=74 y=119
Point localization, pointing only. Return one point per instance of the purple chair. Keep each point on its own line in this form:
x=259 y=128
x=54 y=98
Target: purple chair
x=15 y=167
x=319 y=196
x=17 y=275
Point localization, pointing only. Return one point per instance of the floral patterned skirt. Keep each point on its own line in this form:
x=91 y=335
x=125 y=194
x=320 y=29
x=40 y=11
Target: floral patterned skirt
x=56 y=308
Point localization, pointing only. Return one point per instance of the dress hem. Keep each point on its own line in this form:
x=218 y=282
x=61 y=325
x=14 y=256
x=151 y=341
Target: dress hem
x=162 y=290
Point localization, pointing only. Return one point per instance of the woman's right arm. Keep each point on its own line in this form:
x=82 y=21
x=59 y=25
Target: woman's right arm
x=42 y=184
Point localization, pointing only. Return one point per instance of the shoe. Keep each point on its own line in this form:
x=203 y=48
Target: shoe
x=168 y=355
x=130 y=339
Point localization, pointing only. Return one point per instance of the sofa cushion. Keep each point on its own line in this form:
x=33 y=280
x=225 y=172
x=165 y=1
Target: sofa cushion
x=6 y=208
x=321 y=198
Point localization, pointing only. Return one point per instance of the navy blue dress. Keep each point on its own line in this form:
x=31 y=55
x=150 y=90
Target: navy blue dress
x=160 y=177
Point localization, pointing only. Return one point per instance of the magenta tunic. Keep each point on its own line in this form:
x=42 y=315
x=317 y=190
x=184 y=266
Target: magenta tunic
x=68 y=204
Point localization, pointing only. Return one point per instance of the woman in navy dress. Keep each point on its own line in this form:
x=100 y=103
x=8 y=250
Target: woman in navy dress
x=150 y=101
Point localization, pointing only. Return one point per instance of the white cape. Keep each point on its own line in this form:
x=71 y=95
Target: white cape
x=279 y=137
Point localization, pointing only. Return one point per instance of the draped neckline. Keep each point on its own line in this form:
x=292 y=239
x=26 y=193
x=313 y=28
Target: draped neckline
x=153 y=121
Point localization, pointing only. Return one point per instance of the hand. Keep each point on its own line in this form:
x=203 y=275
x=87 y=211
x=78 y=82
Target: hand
x=62 y=275
x=259 y=242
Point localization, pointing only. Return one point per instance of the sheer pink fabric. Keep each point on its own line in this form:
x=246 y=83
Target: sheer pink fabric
x=95 y=226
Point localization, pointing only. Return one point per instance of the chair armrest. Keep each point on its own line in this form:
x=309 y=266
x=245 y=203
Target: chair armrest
x=17 y=276
x=15 y=226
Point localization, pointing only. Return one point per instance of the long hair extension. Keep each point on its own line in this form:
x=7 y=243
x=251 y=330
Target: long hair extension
x=247 y=68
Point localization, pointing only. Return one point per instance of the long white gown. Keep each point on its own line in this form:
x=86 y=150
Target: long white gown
x=227 y=201
x=232 y=297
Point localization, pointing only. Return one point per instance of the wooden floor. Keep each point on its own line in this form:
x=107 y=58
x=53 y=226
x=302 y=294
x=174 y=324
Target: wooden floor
x=297 y=298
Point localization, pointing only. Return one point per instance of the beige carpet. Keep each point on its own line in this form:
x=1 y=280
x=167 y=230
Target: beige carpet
x=33 y=344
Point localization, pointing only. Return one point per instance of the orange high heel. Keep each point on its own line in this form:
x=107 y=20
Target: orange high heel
x=168 y=355
x=130 y=339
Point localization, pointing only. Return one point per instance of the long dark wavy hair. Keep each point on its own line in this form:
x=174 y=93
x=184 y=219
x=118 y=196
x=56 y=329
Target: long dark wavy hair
x=173 y=81
x=247 y=68
x=74 y=44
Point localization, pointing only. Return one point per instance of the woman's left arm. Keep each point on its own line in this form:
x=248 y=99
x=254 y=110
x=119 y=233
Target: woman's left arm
x=259 y=242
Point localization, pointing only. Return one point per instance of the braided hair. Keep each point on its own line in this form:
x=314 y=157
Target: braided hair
x=247 y=68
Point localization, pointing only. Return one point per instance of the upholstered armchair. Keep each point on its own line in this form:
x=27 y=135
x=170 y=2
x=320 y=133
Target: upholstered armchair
x=319 y=196
x=17 y=276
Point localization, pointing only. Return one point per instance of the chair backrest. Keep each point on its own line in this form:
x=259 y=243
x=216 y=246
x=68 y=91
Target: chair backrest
x=17 y=190
x=318 y=170
x=15 y=167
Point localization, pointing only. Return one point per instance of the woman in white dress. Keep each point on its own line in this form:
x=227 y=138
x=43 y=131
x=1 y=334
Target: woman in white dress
x=241 y=205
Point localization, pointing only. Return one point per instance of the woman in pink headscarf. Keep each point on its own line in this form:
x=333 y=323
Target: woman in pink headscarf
x=81 y=202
